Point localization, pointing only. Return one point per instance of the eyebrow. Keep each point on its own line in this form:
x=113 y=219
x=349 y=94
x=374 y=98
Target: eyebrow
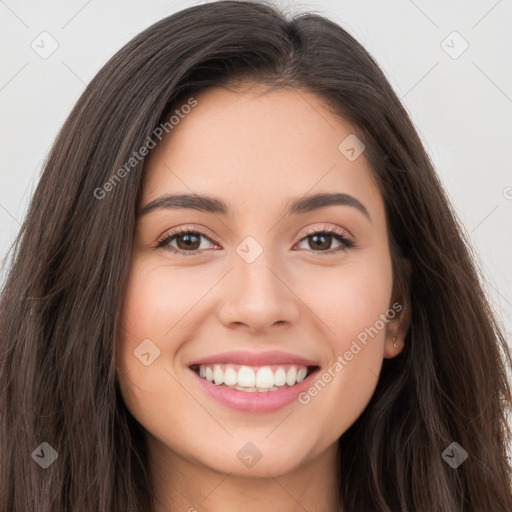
x=218 y=206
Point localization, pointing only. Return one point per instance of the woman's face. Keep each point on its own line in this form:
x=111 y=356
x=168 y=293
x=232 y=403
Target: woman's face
x=261 y=295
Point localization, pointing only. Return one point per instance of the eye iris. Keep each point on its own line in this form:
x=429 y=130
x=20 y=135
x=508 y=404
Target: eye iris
x=324 y=245
x=188 y=237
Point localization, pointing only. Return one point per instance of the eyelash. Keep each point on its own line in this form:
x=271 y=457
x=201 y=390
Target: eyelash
x=335 y=233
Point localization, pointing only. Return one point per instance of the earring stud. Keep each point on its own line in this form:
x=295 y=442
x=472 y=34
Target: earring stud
x=395 y=344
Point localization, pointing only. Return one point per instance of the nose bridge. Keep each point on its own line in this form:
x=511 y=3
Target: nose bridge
x=257 y=295
x=256 y=267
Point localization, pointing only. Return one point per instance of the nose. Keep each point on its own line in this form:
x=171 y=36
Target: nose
x=256 y=297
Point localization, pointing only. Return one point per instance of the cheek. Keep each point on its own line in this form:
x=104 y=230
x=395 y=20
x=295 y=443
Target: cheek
x=350 y=298
x=157 y=303
x=351 y=302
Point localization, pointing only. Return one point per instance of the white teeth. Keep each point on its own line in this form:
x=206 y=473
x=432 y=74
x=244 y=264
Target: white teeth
x=301 y=374
x=240 y=388
x=218 y=375
x=280 y=377
x=264 y=378
x=253 y=379
x=253 y=390
x=230 y=376
x=291 y=376
x=246 y=377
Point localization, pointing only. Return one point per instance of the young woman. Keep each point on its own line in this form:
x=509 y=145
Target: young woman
x=240 y=285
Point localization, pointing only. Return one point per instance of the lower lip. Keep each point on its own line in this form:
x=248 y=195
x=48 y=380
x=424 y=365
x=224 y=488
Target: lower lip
x=257 y=401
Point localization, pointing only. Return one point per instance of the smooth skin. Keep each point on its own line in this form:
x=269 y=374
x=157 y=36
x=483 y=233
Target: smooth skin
x=257 y=150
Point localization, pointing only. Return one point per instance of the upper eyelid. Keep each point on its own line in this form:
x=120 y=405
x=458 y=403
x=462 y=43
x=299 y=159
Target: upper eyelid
x=333 y=230
x=186 y=229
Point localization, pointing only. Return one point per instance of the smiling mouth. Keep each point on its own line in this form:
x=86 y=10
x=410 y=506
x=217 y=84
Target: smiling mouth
x=254 y=378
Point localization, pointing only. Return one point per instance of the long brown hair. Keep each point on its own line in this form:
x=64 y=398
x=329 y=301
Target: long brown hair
x=60 y=303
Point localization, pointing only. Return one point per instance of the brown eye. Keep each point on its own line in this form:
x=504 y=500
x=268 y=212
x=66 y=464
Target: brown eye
x=186 y=241
x=320 y=242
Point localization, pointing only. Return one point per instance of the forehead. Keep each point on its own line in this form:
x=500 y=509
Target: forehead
x=254 y=147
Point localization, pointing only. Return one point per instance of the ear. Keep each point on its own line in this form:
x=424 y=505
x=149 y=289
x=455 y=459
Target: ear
x=399 y=312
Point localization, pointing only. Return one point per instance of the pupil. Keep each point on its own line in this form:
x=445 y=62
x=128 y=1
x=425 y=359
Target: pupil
x=324 y=245
x=187 y=238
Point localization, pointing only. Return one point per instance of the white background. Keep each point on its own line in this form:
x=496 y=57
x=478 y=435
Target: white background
x=462 y=107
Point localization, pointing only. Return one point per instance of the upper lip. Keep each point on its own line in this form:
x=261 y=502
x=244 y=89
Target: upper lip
x=255 y=359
